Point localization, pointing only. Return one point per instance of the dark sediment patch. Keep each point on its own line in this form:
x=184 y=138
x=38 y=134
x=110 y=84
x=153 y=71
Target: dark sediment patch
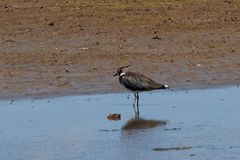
x=109 y=130
x=172 y=148
x=172 y=129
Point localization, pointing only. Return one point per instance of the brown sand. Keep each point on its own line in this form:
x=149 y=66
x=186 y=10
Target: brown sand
x=52 y=48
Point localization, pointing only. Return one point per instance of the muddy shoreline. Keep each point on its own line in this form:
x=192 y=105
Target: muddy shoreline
x=55 y=48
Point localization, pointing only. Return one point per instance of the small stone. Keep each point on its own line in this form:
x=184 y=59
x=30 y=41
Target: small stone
x=156 y=38
x=114 y=117
x=51 y=24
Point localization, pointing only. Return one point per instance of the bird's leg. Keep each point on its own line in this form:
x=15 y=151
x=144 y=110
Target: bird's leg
x=134 y=104
x=137 y=105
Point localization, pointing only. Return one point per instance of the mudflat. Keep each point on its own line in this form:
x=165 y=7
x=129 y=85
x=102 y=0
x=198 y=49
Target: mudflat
x=55 y=47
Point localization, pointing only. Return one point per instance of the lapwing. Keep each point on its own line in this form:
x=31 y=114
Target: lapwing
x=136 y=82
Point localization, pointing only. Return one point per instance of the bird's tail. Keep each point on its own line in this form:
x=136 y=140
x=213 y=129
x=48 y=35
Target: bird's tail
x=164 y=87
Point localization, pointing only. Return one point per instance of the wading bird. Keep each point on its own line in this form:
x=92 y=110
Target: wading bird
x=136 y=82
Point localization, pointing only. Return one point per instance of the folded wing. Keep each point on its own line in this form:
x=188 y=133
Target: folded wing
x=139 y=82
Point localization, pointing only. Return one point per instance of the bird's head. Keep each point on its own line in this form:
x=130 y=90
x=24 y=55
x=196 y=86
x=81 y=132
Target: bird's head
x=121 y=70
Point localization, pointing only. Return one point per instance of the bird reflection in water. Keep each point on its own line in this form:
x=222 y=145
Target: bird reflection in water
x=137 y=123
x=140 y=123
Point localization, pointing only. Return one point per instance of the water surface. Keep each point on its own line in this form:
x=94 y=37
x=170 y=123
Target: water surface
x=205 y=122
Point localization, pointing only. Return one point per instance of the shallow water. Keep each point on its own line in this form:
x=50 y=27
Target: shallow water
x=204 y=122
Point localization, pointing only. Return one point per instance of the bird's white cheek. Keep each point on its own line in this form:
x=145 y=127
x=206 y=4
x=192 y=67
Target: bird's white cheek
x=122 y=74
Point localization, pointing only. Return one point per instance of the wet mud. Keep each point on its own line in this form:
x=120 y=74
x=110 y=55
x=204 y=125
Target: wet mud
x=55 y=48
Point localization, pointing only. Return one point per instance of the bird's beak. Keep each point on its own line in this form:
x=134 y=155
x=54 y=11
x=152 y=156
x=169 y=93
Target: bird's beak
x=115 y=74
